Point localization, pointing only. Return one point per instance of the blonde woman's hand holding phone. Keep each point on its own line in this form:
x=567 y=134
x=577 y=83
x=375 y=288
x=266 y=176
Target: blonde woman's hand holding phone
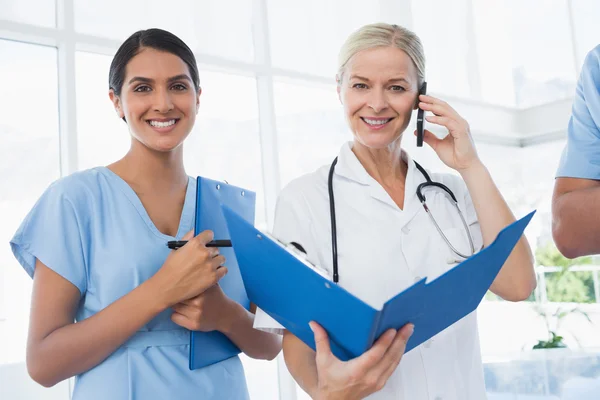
x=457 y=149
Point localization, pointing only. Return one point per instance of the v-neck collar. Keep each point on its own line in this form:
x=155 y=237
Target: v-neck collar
x=187 y=213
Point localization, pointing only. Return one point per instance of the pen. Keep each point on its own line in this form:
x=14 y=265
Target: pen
x=175 y=244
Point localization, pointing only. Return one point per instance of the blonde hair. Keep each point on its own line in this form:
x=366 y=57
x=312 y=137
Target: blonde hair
x=383 y=35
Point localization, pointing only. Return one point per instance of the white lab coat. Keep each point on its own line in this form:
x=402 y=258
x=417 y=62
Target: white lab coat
x=382 y=250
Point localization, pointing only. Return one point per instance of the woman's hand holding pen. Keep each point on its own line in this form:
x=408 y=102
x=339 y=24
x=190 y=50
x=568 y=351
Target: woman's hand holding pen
x=457 y=149
x=191 y=270
x=362 y=376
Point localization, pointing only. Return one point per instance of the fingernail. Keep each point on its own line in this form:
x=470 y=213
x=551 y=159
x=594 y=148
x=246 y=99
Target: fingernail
x=411 y=329
x=311 y=327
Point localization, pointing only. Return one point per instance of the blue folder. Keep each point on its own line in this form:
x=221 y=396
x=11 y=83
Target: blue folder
x=286 y=287
x=207 y=348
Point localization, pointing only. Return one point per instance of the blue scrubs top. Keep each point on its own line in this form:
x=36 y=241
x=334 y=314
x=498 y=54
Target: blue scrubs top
x=581 y=156
x=92 y=229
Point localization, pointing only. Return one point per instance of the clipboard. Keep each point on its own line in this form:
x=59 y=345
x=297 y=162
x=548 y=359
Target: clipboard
x=293 y=292
x=207 y=348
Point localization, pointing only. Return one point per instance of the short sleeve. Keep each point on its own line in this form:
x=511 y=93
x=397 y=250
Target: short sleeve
x=52 y=233
x=292 y=224
x=581 y=156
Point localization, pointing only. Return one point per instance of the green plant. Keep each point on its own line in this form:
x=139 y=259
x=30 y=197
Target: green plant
x=554 y=343
x=553 y=321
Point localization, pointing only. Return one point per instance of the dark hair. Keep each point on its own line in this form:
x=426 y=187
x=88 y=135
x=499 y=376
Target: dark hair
x=157 y=39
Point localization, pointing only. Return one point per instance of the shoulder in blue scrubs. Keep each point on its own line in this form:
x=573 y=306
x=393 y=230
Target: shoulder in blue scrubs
x=581 y=156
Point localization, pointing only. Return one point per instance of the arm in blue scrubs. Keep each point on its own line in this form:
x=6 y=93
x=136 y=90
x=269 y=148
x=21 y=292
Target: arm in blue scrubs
x=575 y=221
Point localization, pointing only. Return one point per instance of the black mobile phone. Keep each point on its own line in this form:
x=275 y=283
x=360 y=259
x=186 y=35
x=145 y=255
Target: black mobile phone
x=420 y=117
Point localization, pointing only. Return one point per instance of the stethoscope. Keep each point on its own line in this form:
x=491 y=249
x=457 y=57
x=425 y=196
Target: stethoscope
x=428 y=182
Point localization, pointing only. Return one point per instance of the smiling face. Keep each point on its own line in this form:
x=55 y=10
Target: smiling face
x=158 y=99
x=379 y=90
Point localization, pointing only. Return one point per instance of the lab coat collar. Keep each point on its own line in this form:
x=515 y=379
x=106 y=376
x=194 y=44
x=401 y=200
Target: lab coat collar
x=349 y=167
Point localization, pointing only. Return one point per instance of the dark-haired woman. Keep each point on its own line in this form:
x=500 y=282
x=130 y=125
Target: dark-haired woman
x=111 y=304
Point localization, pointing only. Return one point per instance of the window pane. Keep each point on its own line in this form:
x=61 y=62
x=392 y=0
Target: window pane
x=199 y=23
x=307 y=36
x=570 y=287
x=310 y=127
x=102 y=137
x=21 y=11
x=548 y=73
x=225 y=143
x=29 y=162
x=534 y=56
x=442 y=27
x=586 y=26
x=495 y=53
x=525 y=177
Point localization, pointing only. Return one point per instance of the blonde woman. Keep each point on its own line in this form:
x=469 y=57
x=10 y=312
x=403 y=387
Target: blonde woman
x=385 y=239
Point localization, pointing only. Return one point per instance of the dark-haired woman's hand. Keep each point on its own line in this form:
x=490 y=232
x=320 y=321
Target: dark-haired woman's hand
x=211 y=310
x=191 y=270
